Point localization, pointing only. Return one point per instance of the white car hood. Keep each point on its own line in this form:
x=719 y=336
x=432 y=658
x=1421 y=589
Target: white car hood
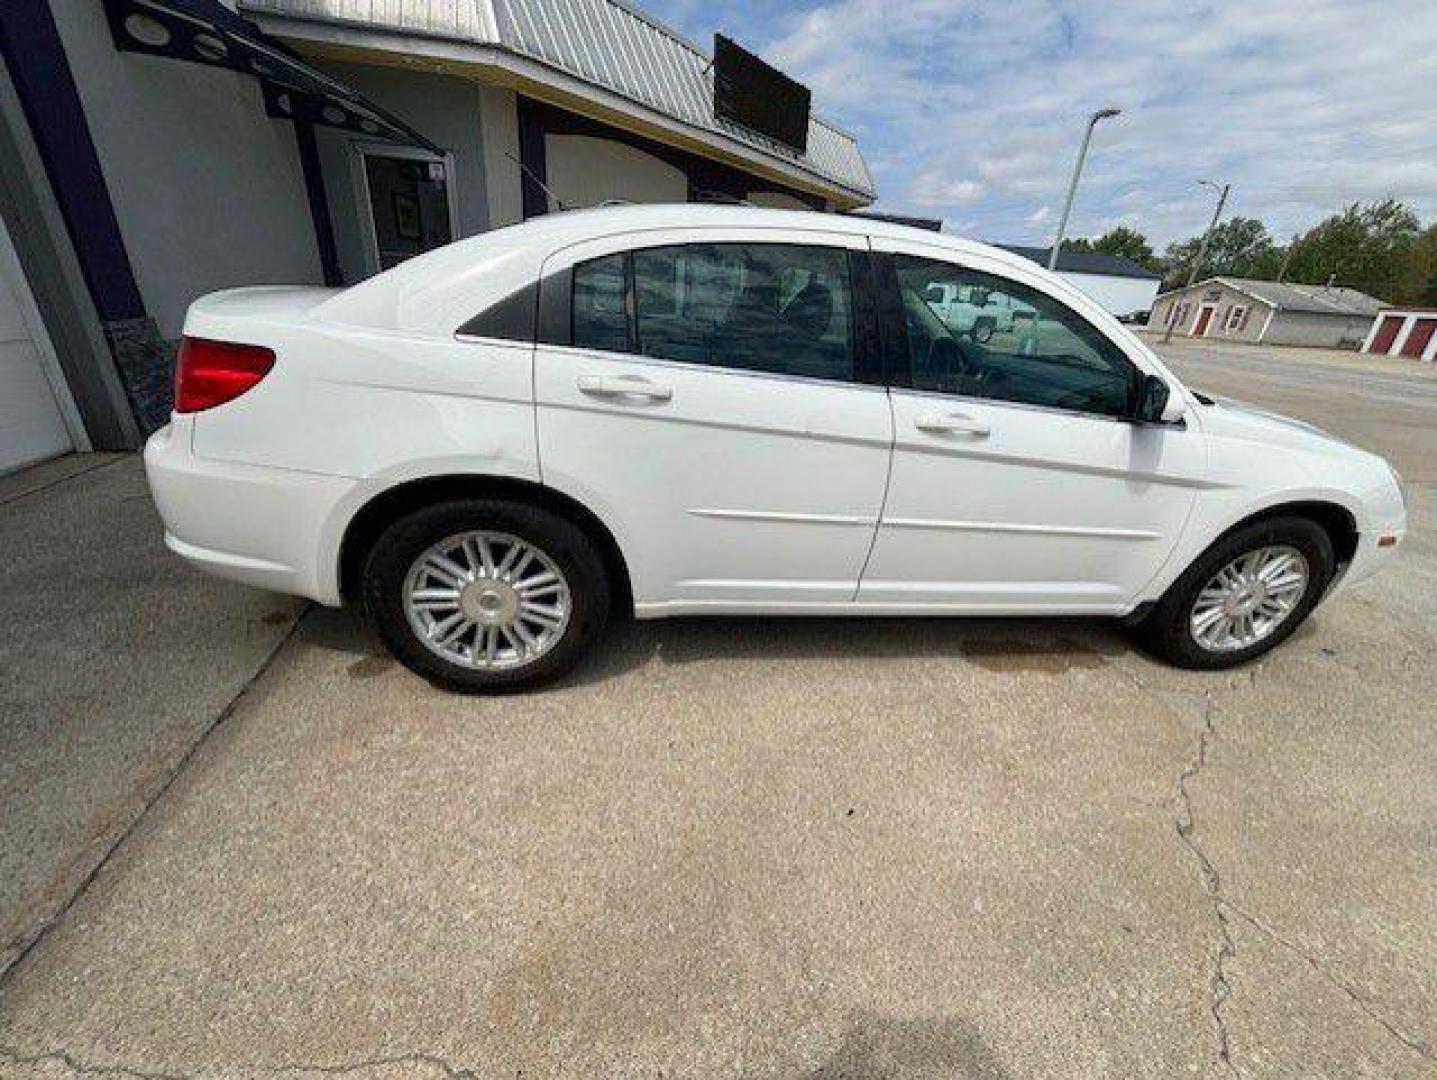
x=1239 y=420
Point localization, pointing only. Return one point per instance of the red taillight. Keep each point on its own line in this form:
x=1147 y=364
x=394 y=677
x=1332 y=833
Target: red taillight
x=209 y=373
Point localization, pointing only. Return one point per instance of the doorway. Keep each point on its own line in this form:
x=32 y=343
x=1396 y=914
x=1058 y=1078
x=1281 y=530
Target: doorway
x=38 y=418
x=1418 y=337
x=1387 y=331
x=1204 y=317
x=406 y=202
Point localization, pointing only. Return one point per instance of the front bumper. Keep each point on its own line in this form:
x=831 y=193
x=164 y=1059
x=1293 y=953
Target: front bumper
x=1382 y=534
x=261 y=526
x=1368 y=560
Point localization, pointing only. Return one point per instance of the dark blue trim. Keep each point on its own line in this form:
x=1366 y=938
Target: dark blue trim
x=318 y=202
x=35 y=55
x=533 y=158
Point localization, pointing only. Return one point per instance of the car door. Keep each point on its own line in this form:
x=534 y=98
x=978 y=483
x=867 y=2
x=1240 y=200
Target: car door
x=711 y=394
x=1018 y=481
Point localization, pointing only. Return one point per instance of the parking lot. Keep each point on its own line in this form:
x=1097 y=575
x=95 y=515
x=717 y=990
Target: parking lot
x=236 y=840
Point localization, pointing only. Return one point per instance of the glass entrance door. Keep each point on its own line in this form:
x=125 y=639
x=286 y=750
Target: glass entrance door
x=409 y=204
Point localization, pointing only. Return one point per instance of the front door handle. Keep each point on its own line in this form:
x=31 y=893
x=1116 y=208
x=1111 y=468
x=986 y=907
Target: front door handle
x=954 y=423
x=618 y=386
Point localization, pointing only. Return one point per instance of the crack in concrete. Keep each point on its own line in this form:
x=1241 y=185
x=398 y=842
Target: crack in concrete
x=1220 y=989
x=1366 y=1007
x=80 y=1068
x=59 y=481
x=450 y=1071
x=179 y=767
x=1212 y=885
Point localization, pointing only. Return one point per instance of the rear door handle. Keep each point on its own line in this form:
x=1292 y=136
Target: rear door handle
x=618 y=386
x=954 y=423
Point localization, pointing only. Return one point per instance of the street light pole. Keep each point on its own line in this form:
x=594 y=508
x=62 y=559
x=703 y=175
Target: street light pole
x=1201 y=252
x=1101 y=114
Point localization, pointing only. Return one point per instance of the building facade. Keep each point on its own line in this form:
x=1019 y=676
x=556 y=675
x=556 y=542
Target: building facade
x=155 y=150
x=1122 y=286
x=1267 y=312
x=1409 y=332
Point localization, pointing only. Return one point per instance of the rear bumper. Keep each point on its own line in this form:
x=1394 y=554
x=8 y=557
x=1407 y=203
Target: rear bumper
x=256 y=525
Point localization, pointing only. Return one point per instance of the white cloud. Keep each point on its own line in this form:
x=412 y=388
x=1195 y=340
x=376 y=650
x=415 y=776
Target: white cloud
x=1301 y=106
x=1038 y=216
x=935 y=189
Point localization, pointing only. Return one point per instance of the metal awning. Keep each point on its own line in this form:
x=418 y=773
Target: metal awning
x=207 y=32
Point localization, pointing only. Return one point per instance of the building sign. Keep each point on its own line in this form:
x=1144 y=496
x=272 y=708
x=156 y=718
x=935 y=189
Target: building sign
x=761 y=98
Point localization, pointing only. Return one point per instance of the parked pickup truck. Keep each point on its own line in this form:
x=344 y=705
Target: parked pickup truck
x=976 y=312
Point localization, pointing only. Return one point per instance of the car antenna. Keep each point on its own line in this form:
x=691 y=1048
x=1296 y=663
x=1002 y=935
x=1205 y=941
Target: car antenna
x=532 y=176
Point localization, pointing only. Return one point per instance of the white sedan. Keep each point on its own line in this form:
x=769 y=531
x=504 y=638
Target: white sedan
x=685 y=410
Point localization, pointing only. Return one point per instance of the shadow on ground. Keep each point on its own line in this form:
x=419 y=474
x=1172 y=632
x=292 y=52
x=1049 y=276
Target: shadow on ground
x=878 y=1047
x=1049 y=646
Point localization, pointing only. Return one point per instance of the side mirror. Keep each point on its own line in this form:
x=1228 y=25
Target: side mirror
x=1154 y=403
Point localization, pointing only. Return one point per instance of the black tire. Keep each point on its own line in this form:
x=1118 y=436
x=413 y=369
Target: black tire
x=1166 y=631
x=559 y=539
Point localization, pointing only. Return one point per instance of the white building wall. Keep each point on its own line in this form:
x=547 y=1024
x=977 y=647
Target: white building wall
x=207 y=188
x=586 y=171
x=1119 y=295
x=499 y=134
x=1317 y=330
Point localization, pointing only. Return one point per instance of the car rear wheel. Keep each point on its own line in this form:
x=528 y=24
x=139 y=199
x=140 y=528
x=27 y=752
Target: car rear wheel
x=1246 y=595
x=482 y=594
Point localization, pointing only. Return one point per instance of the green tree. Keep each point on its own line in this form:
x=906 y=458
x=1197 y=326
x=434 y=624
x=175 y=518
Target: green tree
x=1367 y=247
x=1122 y=240
x=1240 y=247
x=1127 y=242
x=1417 y=271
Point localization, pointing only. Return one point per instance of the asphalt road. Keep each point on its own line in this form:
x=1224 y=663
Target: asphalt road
x=744 y=848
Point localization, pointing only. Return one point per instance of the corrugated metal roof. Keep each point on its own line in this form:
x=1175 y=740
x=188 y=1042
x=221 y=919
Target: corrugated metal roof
x=1290 y=296
x=1085 y=262
x=1322 y=299
x=604 y=42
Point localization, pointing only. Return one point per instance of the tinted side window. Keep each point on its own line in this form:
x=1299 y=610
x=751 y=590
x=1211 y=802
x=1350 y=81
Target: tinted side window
x=759 y=307
x=1001 y=340
x=601 y=305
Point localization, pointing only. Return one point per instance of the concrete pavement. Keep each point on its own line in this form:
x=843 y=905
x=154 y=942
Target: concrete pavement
x=790 y=848
x=114 y=662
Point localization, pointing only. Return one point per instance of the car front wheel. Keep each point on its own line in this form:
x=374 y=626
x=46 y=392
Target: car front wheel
x=1247 y=594
x=482 y=594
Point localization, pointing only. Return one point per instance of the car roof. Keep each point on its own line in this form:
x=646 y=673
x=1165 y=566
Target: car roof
x=606 y=220
x=423 y=291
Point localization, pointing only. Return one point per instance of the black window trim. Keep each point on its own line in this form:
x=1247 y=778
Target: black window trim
x=556 y=308
x=899 y=360
x=511 y=318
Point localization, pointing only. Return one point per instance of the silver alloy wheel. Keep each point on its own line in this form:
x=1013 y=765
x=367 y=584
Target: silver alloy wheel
x=1249 y=598
x=487 y=600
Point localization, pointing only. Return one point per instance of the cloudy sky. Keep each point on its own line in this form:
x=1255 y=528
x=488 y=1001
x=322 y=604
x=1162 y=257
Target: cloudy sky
x=971 y=110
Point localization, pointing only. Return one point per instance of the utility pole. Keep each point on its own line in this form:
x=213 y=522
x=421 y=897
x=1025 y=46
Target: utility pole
x=1287 y=260
x=1201 y=252
x=1101 y=114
